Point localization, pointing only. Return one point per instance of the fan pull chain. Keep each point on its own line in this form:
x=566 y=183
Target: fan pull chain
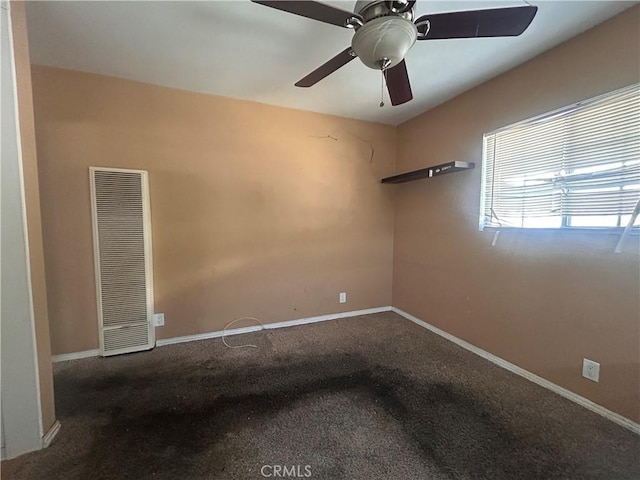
x=382 y=89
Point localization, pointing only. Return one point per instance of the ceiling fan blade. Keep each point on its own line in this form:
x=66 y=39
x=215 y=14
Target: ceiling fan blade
x=398 y=84
x=327 y=68
x=315 y=11
x=498 y=22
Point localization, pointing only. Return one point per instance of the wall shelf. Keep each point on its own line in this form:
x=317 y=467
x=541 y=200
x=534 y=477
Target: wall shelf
x=429 y=172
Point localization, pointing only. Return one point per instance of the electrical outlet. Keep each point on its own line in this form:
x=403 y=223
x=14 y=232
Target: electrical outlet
x=590 y=369
x=158 y=319
x=343 y=297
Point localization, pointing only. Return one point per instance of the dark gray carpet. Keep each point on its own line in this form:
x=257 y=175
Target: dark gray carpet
x=373 y=397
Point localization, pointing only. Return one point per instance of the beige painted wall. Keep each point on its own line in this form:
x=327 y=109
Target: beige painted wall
x=254 y=211
x=540 y=300
x=34 y=221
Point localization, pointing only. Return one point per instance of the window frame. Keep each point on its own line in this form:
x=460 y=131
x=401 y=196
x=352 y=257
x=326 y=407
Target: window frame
x=565 y=219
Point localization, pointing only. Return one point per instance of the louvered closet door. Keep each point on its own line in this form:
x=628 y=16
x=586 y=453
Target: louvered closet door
x=122 y=251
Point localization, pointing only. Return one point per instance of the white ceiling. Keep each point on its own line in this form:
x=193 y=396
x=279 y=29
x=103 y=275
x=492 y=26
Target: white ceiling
x=244 y=50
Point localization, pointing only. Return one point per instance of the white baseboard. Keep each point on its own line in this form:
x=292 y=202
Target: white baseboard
x=563 y=392
x=51 y=434
x=235 y=331
x=63 y=357
x=269 y=326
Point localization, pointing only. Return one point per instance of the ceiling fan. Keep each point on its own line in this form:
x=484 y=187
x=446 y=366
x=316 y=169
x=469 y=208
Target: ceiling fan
x=386 y=30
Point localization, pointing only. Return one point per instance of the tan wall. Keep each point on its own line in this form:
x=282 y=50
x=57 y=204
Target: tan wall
x=253 y=212
x=34 y=221
x=540 y=300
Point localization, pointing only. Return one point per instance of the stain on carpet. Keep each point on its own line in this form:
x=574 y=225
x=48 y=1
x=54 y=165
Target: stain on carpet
x=454 y=431
x=344 y=414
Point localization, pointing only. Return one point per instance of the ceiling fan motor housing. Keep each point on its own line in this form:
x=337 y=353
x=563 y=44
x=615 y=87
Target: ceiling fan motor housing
x=384 y=38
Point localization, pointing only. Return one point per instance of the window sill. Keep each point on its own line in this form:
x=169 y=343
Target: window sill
x=577 y=230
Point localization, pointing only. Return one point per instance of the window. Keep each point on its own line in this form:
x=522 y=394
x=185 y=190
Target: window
x=577 y=167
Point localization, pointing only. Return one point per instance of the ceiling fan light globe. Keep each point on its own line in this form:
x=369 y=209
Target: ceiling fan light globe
x=384 y=38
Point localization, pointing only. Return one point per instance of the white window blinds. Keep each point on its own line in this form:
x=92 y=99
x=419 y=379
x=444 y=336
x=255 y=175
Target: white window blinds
x=577 y=167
